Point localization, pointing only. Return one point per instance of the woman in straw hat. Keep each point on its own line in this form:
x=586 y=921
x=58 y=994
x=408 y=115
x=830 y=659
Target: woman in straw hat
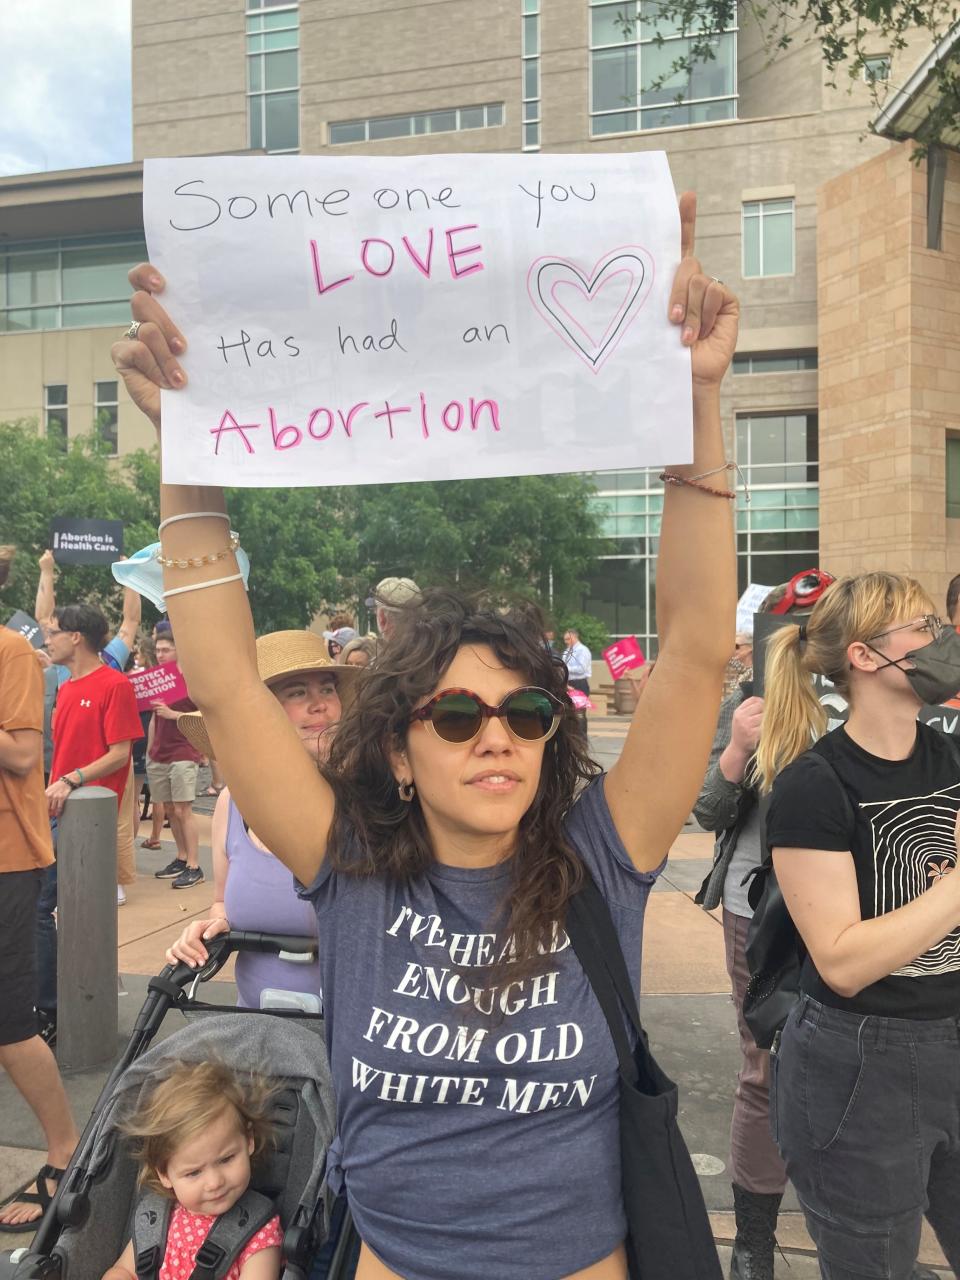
x=476 y=1077
x=253 y=889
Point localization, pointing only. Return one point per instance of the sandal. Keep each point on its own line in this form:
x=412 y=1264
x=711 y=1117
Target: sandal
x=150 y=844
x=40 y=1197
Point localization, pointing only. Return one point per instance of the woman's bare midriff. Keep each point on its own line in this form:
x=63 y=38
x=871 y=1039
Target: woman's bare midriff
x=613 y=1267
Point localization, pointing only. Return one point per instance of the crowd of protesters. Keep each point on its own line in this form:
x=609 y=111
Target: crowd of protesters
x=432 y=787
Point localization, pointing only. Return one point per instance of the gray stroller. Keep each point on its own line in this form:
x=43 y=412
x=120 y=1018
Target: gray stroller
x=89 y=1219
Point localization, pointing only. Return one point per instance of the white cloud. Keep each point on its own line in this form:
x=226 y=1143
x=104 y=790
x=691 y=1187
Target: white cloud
x=65 y=89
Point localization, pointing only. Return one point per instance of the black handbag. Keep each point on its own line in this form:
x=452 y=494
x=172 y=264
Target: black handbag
x=668 y=1230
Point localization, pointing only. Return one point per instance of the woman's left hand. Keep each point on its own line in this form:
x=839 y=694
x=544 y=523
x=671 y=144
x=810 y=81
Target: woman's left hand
x=702 y=307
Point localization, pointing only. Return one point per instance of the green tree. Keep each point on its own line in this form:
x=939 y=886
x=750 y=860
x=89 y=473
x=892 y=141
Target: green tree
x=849 y=33
x=534 y=536
x=40 y=481
x=300 y=552
x=299 y=549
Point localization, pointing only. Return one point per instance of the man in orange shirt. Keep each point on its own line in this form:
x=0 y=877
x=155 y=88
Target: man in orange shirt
x=25 y=850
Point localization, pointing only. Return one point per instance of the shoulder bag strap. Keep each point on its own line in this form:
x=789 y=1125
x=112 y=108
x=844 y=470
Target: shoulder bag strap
x=585 y=911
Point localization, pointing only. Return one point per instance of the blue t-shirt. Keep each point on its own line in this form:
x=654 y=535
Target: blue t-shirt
x=484 y=1143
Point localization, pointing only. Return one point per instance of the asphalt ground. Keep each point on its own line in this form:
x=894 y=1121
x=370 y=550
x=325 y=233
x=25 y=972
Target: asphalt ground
x=685 y=1006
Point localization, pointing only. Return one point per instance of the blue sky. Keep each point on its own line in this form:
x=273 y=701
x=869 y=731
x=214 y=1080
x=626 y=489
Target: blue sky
x=65 y=88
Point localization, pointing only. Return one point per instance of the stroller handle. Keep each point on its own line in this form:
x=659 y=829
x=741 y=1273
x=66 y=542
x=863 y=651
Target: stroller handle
x=290 y=946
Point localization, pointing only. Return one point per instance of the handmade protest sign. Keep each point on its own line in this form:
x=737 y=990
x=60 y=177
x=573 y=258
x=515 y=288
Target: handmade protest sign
x=28 y=627
x=86 y=541
x=353 y=320
x=747 y=606
x=623 y=656
x=158 y=684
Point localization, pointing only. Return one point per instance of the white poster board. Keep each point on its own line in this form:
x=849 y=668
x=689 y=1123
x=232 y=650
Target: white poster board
x=749 y=604
x=354 y=320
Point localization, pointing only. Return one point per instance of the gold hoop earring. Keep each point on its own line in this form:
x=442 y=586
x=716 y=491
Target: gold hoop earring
x=406 y=791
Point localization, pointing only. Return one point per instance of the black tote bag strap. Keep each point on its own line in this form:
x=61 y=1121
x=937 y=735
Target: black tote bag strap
x=593 y=937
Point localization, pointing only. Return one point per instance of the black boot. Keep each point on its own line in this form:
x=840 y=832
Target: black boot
x=756 y=1228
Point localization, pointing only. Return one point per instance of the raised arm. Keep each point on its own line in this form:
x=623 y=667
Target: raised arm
x=46 y=597
x=273 y=781
x=652 y=787
x=131 y=618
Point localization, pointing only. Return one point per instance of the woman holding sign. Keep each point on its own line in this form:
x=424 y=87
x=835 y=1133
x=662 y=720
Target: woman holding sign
x=476 y=1076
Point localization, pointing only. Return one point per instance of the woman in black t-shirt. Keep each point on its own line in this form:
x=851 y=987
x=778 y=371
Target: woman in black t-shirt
x=865 y=1087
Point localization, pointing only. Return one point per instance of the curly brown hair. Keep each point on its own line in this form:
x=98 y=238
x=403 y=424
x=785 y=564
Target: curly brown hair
x=182 y=1101
x=377 y=834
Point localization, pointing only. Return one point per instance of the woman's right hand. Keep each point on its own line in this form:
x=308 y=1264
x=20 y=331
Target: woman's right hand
x=189 y=947
x=747 y=719
x=149 y=362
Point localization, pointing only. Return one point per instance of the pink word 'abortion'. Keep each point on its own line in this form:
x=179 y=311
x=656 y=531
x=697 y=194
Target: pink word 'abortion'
x=322 y=423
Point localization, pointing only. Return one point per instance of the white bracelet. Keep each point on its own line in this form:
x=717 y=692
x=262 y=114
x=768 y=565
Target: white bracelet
x=199 y=586
x=192 y=515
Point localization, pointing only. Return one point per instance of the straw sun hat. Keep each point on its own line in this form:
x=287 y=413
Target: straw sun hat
x=279 y=654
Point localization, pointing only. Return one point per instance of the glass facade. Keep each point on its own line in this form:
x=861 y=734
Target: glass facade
x=67 y=284
x=768 y=236
x=635 y=80
x=55 y=412
x=273 y=75
x=530 y=72
x=775 y=361
x=105 y=411
x=451 y=120
x=777 y=532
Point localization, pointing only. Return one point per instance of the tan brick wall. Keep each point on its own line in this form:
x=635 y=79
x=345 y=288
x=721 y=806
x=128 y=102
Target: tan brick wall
x=889 y=370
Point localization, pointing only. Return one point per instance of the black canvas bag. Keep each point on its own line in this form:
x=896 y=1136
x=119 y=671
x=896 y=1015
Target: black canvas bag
x=775 y=951
x=668 y=1231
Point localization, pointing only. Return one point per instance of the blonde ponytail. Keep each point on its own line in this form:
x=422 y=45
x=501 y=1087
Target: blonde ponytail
x=793 y=716
x=852 y=609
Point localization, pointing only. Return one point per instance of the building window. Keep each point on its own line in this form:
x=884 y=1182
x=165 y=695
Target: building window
x=55 y=412
x=452 y=120
x=876 y=70
x=620 y=588
x=105 y=410
x=953 y=477
x=67 y=284
x=778 y=533
x=768 y=235
x=530 y=72
x=774 y=361
x=273 y=76
x=635 y=82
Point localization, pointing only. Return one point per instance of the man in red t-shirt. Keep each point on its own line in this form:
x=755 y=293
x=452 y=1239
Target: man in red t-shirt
x=96 y=719
x=173 y=764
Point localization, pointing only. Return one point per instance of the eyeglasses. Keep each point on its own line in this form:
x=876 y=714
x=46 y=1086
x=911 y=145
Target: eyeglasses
x=457 y=715
x=929 y=622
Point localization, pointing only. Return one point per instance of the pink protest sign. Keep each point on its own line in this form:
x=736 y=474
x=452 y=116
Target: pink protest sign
x=623 y=656
x=158 y=684
x=580 y=700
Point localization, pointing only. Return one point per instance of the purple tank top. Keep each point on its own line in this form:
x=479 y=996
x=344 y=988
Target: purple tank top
x=259 y=895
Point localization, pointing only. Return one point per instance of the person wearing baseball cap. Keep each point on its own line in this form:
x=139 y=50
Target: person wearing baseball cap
x=390 y=595
x=253 y=889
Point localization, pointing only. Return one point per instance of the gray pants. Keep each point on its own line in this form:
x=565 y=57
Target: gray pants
x=866 y=1112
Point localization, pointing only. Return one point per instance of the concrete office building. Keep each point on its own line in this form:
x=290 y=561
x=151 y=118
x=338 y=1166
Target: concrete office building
x=794 y=198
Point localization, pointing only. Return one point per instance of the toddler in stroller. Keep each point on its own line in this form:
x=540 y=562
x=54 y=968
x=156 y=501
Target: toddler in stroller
x=197 y=1130
x=94 y=1212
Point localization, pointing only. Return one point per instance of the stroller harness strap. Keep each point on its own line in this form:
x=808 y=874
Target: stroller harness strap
x=227 y=1239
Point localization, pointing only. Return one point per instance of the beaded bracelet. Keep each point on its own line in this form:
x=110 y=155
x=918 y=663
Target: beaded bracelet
x=669 y=477
x=196 y=562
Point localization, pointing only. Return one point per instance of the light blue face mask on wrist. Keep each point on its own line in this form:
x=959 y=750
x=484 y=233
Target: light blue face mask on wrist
x=143 y=573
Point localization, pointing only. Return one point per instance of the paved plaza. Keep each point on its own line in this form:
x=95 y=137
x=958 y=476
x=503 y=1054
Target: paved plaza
x=685 y=1005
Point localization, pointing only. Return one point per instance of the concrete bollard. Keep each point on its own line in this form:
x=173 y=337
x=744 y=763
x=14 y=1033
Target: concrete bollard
x=87 y=930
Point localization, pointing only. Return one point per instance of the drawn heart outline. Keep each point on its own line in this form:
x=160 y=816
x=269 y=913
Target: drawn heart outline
x=546 y=273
